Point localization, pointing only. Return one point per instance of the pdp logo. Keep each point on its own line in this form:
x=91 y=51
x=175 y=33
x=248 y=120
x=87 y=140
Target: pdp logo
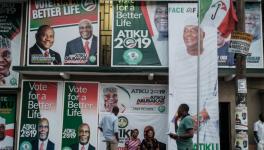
x=122 y=122
x=88 y=5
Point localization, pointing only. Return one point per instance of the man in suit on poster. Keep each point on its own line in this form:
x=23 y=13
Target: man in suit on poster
x=43 y=143
x=41 y=53
x=5 y=59
x=84 y=137
x=84 y=48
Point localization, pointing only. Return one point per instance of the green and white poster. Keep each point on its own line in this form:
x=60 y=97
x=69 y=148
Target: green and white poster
x=7 y=121
x=140 y=34
x=80 y=116
x=10 y=42
x=41 y=115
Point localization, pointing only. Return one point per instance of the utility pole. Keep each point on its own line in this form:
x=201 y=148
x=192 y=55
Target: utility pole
x=241 y=95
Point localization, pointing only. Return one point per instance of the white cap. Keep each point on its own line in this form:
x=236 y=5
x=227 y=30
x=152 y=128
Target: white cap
x=2 y=120
x=191 y=20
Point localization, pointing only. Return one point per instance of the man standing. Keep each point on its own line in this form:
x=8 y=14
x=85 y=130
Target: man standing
x=259 y=132
x=82 y=50
x=43 y=143
x=109 y=127
x=5 y=59
x=6 y=143
x=41 y=53
x=184 y=131
x=84 y=137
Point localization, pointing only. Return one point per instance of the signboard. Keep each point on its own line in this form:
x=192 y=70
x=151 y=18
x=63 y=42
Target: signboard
x=10 y=42
x=7 y=121
x=140 y=34
x=185 y=70
x=63 y=33
x=134 y=98
x=240 y=42
x=41 y=115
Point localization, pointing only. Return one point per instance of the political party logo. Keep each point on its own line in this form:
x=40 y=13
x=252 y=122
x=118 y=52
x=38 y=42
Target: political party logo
x=13 y=81
x=66 y=148
x=92 y=58
x=161 y=109
x=88 y=5
x=122 y=122
x=132 y=56
x=25 y=146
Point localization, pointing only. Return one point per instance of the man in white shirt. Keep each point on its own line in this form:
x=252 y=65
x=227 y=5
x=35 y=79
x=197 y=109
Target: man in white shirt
x=259 y=132
x=109 y=126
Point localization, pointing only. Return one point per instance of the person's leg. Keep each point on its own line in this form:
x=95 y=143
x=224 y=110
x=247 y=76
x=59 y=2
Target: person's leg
x=108 y=145
x=114 y=145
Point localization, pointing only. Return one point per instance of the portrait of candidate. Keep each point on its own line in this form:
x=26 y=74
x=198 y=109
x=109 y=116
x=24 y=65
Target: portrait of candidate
x=85 y=45
x=43 y=143
x=40 y=53
x=5 y=59
x=225 y=57
x=252 y=21
x=191 y=36
x=84 y=137
x=161 y=21
x=111 y=99
x=6 y=142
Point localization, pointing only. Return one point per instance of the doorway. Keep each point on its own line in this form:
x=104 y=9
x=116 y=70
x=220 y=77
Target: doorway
x=224 y=124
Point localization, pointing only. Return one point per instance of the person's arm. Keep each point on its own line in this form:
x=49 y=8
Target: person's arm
x=189 y=134
x=116 y=129
x=256 y=133
x=256 y=136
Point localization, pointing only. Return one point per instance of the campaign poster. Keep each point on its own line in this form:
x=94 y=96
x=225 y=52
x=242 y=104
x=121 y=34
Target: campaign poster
x=144 y=123
x=253 y=26
x=10 y=42
x=7 y=121
x=41 y=115
x=134 y=98
x=63 y=33
x=80 y=115
x=193 y=74
x=140 y=34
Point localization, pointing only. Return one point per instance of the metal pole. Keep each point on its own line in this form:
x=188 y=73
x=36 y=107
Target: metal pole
x=241 y=75
x=198 y=74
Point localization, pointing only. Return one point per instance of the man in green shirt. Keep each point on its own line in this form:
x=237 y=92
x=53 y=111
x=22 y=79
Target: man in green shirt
x=184 y=130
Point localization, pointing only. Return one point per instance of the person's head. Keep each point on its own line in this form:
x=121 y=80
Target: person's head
x=161 y=19
x=149 y=132
x=183 y=110
x=43 y=129
x=190 y=37
x=84 y=133
x=2 y=128
x=85 y=29
x=261 y=117
x=5 y=57
x=110 y=98
x=252 y=22
x=134 y=133
x=45 y=37
x=115 y=110
x=220 y=39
